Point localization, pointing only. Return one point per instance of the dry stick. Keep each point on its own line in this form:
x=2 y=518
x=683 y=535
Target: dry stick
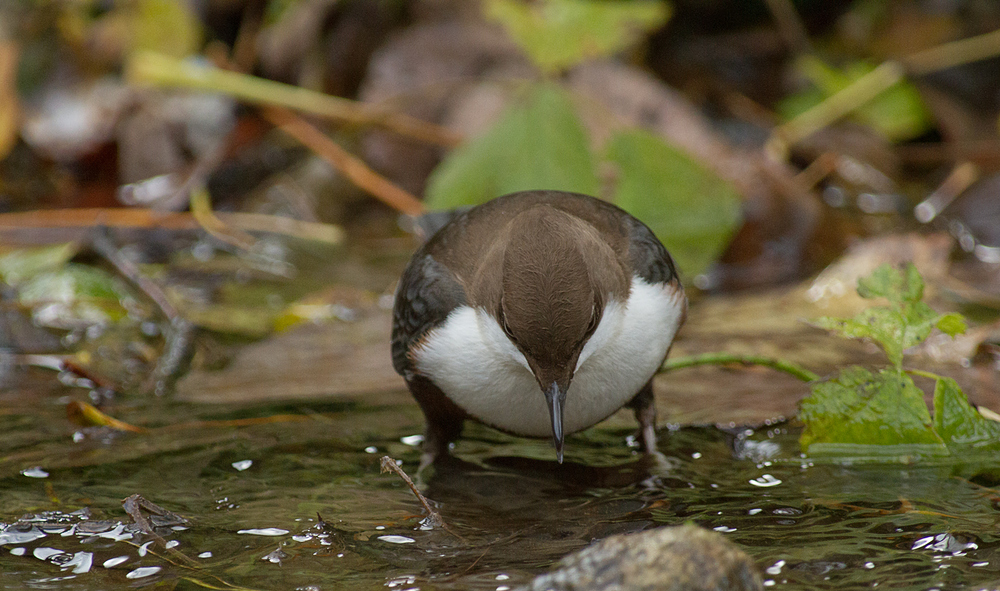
x=355 y=170
x=146 y=67
x=834 y=107
x=953 y=53
x=201 y=209
x=85 y=219
x=790 y=26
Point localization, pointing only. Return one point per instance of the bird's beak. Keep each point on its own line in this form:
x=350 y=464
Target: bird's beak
x=556 y=397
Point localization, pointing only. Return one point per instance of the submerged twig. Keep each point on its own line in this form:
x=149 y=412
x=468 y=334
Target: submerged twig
x=433 y=518
x=102 y=245
x=87 y=415
x=389 y=465
x=172 y=364
x=788 y=367
x=134 y=506
x=179 y=338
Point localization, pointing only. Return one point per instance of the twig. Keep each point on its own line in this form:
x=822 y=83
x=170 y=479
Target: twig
x=201 y=209
x=146 y=67
x=10 y=114
x=27 y=224
x=433 y=517
x=790 y=26
x=788 y=367
x=883 y=77
x=87 y=415
x=102 y=245
x=178 y=348
x=134 y=506
x=356 y=171
x=957 y=181
x=836 y=106
x=954 y=53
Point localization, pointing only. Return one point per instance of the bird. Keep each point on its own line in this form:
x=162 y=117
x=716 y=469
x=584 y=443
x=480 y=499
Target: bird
x=538 y=313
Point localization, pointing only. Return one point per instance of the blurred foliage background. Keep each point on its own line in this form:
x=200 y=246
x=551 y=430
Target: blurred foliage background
x=179 y=177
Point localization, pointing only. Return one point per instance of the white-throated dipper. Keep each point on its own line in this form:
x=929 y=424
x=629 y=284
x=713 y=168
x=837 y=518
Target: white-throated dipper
x=539 y=313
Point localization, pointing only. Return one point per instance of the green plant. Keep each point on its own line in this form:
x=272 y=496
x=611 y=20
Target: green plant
x=881 y=413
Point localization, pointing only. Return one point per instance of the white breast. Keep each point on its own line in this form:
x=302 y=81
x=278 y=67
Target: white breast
x=475 y=364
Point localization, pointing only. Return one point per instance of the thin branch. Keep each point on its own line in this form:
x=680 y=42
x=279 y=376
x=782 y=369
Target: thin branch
x=954 y=53
x=28 y=224
x=389 y=465
x=201 y=209
x=356 y=170
x=883 y=77
x=790 y=25
x=788 y=367
x=859 y=92
x=146 y=67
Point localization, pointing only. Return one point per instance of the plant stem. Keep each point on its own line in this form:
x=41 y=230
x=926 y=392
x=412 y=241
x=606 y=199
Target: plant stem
x=788 y=367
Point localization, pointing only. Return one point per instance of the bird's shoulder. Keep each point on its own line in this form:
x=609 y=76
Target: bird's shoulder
x=427 y=293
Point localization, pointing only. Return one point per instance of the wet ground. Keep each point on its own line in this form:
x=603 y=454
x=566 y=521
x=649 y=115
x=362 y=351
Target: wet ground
x=253 y=481
x=274 y=461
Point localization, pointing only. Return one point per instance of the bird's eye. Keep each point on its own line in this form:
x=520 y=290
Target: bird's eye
x=503 y=324
x=595 y=319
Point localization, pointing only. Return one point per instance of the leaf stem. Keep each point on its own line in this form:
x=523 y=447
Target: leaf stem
x=923 y=374
x=721 y=358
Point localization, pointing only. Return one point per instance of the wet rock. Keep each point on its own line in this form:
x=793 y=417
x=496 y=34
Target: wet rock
x=685 y=558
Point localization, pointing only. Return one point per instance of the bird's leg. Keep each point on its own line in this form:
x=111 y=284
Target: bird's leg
x=644 y=405
x=444 y=419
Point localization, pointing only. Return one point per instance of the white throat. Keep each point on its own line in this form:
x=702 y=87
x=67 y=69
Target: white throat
x=471 y=359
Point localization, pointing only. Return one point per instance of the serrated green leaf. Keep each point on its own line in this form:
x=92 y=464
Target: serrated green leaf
x=892 y=284
x=861 y=408
x=884 y=326
x=557 y=34
x=539 y=143
x=693 y=211
x=898 y=113
x=958 y=423
x=17 y=266
x=951 y=324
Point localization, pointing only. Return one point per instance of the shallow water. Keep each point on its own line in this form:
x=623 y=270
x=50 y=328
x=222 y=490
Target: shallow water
x=253 y=493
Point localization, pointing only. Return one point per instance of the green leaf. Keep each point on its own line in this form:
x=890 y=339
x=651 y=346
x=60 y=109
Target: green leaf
x=693 y=211
x=882 y=325
x=898 y=113
x=958 y=423
x=557 y=34
x=74 y=295
x=538 y=143
x=951 y=324
x=861 y=408
x=907 y=323
x=17 y=266
x=166 y=26
x=892 y=284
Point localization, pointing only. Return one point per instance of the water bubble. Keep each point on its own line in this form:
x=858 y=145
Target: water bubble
x=765 y=481
x=264 y=531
